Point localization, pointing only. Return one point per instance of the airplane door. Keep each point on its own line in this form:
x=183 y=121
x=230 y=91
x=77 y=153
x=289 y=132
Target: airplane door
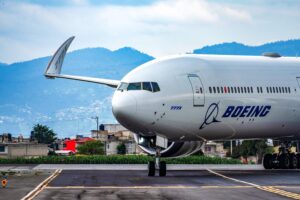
x=298 y=79
x=198 y=89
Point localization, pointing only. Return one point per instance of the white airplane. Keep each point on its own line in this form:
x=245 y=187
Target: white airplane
x=177 y=103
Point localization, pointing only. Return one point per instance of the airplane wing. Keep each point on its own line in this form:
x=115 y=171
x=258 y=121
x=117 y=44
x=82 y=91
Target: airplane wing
x=54 y=68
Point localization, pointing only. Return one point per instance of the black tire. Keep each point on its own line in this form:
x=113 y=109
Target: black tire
x=298 y=160
x=284 y=161
x=275 y=161
x=162 y=168
x=267 y=162
x=293 y=161
x=151 y=168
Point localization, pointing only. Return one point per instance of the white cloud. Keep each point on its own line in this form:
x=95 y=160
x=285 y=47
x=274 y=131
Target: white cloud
x=31 y=30
x=161 y=28
x=96 y=108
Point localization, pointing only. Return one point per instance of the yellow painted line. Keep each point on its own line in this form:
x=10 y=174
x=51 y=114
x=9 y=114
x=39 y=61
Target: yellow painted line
x=271 y=189
x=280 y=192
x=122 y=187
x=41 y=186
x=284 y=186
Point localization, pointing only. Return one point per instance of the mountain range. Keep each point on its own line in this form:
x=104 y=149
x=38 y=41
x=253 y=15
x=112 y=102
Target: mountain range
x=67 y=106
x=284 y=48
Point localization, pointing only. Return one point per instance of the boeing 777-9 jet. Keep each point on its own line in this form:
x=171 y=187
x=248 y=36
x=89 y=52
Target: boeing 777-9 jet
x=175 y=104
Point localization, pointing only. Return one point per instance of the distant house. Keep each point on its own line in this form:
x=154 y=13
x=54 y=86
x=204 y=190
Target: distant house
x=13 y=147
x=28 y=150
x=71 y=145
x=214 y=149
x=113 y=135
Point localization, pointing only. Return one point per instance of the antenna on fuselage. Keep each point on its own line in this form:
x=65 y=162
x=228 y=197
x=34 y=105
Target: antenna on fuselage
x=271 y=54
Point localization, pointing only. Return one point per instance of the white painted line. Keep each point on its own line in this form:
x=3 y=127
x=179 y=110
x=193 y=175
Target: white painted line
x=41 y=186
x=233 y=179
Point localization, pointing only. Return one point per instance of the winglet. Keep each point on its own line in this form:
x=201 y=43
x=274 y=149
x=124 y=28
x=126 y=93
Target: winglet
x=54 y=66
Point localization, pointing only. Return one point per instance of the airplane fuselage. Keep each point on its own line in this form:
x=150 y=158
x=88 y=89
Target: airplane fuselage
x=206 y=97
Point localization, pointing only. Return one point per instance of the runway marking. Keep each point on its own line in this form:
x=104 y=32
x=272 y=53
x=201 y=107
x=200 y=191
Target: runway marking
x=271 y=189
x=122 y=187
x=164 y=187
x=41 y=186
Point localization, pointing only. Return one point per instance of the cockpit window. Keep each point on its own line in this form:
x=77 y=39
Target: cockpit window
x=155 y=87
x=147 y=86
x=134 y=86
x=123 y=86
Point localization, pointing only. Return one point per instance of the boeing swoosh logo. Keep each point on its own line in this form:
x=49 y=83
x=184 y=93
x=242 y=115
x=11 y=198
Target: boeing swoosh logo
x=211 y=115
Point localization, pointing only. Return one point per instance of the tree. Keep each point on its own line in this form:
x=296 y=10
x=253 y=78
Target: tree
x=43 y=134
x=252 y=148
x=91 y=147
x=121 y=148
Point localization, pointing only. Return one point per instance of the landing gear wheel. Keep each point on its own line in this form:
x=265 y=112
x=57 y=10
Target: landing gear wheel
x=267 y=162
x=151 y=168
x=275 y=161
x=298 y=160
x=162 y=168
x=293 y=161
x=284 y=161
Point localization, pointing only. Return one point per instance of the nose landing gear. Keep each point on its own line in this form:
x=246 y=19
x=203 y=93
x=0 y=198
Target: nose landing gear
x=157 y=164
x=284 y=159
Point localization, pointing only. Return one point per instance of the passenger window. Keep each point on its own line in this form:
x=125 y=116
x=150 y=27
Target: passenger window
x=210 y=91
x=286 y=90
x=251 y=88
x=238 y=88
x=242 y=90
x=218 y=89
x=123 y=86
x=289 y=89
x=231 y=88
x=228 y=89
x=214 y=89
x=134 y=86
x=155 y=87
x=147 y=86
x=248 y=89
x=276 y=89
x=267 y=89
x=222 y=89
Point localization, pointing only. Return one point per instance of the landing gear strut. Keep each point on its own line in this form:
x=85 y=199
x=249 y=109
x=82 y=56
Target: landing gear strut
x=284 y=159
x=157 y=164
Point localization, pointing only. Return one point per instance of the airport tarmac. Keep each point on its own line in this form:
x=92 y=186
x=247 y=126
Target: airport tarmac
x=178 y=184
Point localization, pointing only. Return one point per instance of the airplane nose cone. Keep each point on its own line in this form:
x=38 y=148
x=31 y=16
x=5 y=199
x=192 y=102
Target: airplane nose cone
x=124 y=108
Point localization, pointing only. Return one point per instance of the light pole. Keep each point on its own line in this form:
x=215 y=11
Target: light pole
x=97 y=121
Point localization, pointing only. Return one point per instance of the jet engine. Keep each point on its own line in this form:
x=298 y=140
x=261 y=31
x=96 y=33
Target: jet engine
x=174 y=149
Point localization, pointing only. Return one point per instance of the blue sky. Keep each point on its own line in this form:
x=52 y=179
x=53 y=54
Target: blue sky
x=35 y=28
